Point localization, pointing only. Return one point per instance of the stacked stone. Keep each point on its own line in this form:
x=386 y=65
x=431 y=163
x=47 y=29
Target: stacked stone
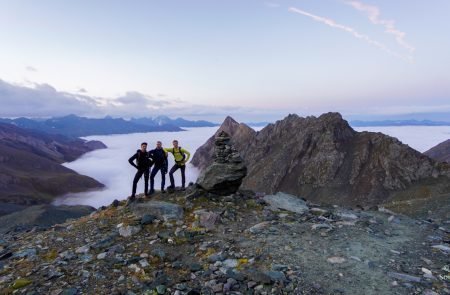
x=223 y=148
x=224 y=152
x=225 y=174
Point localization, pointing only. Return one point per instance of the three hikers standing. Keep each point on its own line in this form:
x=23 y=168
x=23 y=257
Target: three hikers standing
x=158 y=158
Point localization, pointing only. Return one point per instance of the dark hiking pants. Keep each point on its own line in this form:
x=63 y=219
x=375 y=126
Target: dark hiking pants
x=139 y=173
x=183 y=176
x=155 y=171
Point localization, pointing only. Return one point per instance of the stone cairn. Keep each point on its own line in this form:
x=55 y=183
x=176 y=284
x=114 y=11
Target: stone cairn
x=224 y=176
x=224 y=151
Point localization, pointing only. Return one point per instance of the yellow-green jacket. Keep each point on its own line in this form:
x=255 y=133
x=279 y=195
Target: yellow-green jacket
x=180 y=155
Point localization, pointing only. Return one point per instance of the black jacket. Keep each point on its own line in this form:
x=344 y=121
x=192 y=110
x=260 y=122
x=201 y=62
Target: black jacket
x=142 y=159
x=159 y=157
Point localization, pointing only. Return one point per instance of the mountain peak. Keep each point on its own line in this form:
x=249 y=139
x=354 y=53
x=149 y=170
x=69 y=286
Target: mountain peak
x=323 y=159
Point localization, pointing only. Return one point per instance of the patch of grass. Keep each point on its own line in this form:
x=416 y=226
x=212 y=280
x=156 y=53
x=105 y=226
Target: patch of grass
x=50 y=256
x=20 y=283
x=241 y=263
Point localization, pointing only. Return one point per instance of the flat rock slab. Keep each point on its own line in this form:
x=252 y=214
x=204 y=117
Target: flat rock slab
x=162 y=210
x=286 y=202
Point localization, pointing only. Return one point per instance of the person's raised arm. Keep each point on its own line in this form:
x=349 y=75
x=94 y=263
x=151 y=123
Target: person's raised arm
x=131 y=161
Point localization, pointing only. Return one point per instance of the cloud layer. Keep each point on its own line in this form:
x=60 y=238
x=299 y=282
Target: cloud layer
x=43 y=100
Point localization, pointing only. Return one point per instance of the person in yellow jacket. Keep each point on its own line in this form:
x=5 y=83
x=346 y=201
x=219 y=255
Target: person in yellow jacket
x=181 y=157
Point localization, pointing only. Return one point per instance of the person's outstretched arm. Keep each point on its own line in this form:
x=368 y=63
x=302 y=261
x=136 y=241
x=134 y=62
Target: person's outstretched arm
x=131 y=161
x=167 y=150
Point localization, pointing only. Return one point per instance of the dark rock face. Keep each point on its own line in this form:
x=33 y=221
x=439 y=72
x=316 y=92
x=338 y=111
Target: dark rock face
x=224 y=176
x=30 y=166
x=441 y=152
x=41 y=216
x=323 y=159
x=239 y=133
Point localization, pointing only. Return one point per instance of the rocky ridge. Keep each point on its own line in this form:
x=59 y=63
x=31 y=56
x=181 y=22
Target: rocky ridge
x=324 y=160
x=440 y=152
x=30 y=167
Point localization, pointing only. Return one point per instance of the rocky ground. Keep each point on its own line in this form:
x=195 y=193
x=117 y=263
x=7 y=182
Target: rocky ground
x=238 y=244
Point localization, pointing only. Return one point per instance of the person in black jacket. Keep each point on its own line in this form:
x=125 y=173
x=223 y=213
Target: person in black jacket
x=143 y=164
x=159 y=157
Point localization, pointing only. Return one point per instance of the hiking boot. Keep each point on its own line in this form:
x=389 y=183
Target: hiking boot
x=163 y=191
x=171 y=187
x=151 y=192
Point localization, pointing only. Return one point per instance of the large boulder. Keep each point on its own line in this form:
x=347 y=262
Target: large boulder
x=286 y=202
x=162 y=210
x=224 y=176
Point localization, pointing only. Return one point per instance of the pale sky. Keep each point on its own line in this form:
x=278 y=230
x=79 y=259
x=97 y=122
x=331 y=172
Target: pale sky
x=256 y=60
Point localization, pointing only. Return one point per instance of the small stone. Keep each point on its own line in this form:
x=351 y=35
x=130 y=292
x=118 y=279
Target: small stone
x=404 y=277
x=318 y=211
x=83 y=249
x=161 y=289
x=279 y=267
x=148 y=219
x=69 y=291
x=230 y=263
x=320 y=226
x=159 y=253
x=276 y=276
x=257 y=228
x=144 y=263
x=251 y=284
x=216 y=257
x=101 y=255
x=441 y=247
x=195 y=267
x=25 y=253
x=336 y=260
x=128 y=231
x=345 y=215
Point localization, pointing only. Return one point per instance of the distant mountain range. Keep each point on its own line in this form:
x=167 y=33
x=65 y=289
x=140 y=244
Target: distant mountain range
x=359 y=123
x=75 y=126
x=178 y=122
x=30 y=167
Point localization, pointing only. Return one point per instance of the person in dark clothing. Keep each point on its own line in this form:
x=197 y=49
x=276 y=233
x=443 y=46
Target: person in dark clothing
x=159 y=157
x=143 y=164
